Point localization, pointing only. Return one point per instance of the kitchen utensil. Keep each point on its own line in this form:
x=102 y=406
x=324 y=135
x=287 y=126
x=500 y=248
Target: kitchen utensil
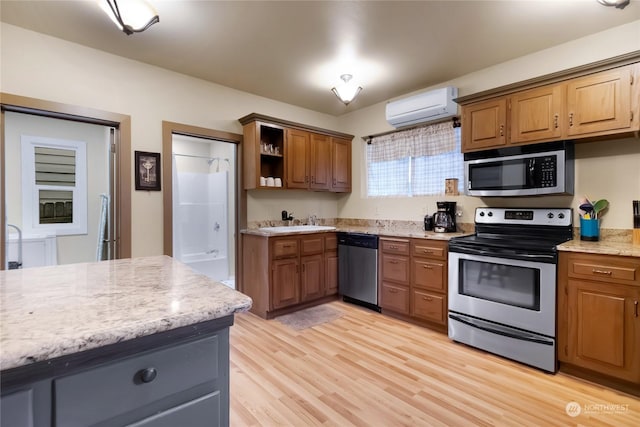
x=444 y=220
x=599 y=206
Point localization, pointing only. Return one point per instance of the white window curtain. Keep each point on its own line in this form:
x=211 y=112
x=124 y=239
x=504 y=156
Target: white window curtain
x=415 y=161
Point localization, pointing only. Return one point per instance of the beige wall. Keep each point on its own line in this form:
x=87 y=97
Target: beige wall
x=607 y=169
x=76 y=248
x=39 y=66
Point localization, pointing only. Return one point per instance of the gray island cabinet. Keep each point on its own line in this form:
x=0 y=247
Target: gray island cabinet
x=138 y=342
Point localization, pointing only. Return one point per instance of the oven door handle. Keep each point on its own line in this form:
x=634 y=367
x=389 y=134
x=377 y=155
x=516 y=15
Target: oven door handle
x=504 y=253
x=511 y=333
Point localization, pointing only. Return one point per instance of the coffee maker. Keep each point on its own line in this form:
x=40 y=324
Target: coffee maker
x=444 y=220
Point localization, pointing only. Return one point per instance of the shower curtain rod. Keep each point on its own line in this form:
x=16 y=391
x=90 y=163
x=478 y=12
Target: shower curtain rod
x=226 y=159
x=195 y=157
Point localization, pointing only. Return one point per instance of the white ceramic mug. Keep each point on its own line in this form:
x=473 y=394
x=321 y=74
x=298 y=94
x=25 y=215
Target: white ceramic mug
x=270 y=182
x=278 y=182
x=263 y=181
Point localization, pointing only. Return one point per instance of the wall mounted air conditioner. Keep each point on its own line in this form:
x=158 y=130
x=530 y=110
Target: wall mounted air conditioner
x=424 y=107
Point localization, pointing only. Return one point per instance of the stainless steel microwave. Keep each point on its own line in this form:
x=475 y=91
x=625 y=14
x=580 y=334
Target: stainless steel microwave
x=528 y=170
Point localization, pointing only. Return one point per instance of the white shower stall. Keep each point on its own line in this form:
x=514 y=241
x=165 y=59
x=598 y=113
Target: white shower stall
x=203 y=212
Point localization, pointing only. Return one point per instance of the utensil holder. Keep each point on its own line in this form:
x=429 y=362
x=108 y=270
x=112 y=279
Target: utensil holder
x=590 y=229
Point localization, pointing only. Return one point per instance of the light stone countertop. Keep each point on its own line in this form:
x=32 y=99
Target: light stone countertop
x=380 y=231
x=48 y=312
x=602 y=247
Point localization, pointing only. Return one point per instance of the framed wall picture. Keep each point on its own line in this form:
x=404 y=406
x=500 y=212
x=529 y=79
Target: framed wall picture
x=147 y=171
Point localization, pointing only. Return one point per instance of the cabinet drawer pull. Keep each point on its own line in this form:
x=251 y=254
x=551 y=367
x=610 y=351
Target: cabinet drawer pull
x=570 y=119
x=393 y=261
x=393 y=247
x=427 y=251
x=427 y=298
x=501 y=130
x=428 y=267
x=605 y=272
x=555 y=121
x=393 y=291
x=147 y=375
x=635 y=308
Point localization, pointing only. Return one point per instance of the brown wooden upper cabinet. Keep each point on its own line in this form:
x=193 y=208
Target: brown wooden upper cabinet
x=340 y=165
x=595 y=105
x=304 y=157
x=484 y=125
x=297 y=155
x=601 y=103
x=536 y=114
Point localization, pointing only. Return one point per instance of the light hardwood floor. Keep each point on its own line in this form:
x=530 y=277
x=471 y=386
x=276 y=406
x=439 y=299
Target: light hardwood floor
x=366 y=369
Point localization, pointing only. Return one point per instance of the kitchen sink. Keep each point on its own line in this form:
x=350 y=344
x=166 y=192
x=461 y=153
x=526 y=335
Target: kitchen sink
x=297 y=228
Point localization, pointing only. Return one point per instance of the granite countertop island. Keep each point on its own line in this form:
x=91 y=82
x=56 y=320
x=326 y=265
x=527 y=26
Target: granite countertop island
x=50 y=312
x=141 y=341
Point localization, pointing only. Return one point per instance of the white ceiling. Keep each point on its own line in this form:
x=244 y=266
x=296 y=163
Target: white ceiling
x=295 y=51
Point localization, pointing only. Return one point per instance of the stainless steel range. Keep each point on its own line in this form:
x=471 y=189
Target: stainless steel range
x=502 y=283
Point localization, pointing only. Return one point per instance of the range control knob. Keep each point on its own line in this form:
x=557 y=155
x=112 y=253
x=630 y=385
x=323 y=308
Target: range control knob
x=550 y=215
x=481 y=213
x=561 y=215
x=490 y=213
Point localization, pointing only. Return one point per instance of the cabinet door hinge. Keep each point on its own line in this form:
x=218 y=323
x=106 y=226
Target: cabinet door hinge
x=631 y=80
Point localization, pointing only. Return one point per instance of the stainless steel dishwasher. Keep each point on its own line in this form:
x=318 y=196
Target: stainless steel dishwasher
x=358 y=269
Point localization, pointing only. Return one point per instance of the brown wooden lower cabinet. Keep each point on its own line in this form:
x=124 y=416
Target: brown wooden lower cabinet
x=429 y=306
x=331 y=272
x=395 y=298
x=413 y=280
x=285 y=282
x=289 y=272
x=312 y=284
x=598 y=318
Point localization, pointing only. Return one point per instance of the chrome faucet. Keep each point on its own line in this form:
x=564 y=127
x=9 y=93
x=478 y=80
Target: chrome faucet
x=13 y=265
x=313 y=220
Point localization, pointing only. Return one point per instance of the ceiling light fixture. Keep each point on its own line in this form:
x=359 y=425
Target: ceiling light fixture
x=620 y=4
x=347 y=91
x=131 y=16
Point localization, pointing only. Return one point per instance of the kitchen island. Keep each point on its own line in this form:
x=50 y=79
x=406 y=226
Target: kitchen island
x=142 y=340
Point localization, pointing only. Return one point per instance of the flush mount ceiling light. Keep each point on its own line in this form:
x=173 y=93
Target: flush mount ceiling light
x=347 y=91
x=620 y=4
x=131 y=16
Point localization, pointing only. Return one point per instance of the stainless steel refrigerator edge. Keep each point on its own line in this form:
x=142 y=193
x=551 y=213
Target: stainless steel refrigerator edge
x=358 y=268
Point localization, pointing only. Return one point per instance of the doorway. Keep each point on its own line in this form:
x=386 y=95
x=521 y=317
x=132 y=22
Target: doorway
x=58 y=206
x=201 y=203
x=118 y=127
x=204 y=206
